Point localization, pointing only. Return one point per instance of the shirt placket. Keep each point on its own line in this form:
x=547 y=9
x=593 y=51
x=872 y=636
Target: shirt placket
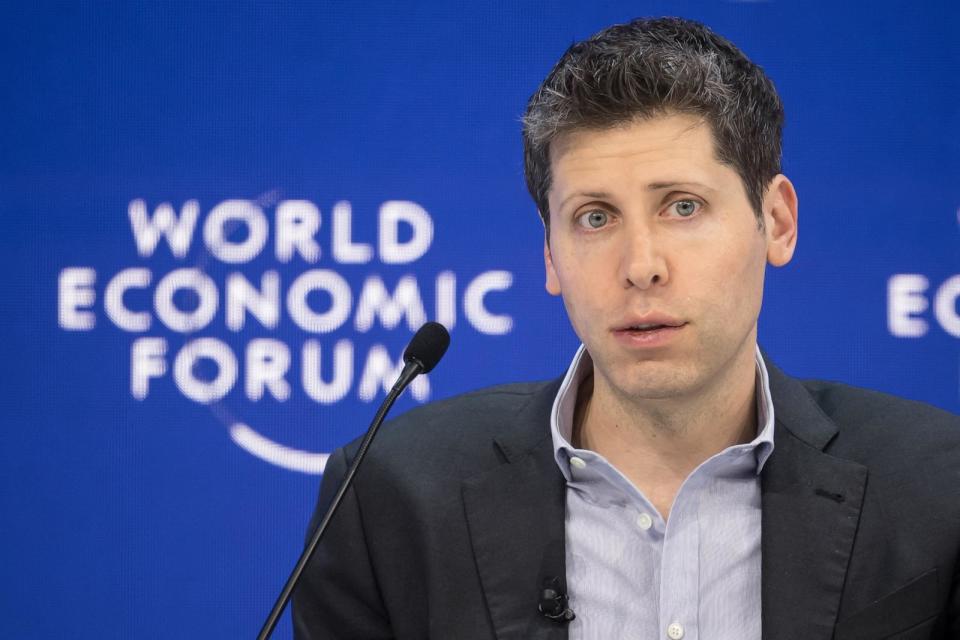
x=680 y=568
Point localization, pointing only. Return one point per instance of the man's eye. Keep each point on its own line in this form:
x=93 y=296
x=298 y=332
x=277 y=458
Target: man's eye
x=593 y=219
x=685 y=208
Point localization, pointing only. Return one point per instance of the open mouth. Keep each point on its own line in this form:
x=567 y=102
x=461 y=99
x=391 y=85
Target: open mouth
x=646 y=328
x=648 y=334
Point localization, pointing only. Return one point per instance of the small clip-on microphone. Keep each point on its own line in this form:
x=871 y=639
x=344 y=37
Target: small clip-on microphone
x=553 y=602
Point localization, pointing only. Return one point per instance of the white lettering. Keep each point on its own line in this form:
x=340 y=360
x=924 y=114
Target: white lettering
x=311 y=373
x=905 y=299
x=297 y=222
x=446 y=299
x=945 y=306
x=192 y=280
x=177 y=231
x=217 y=230
x=379 y=373
x=146 y=361
x=473 y=302
x=205 y=391
x=376 y=302
x=75 y=287
x=117 y=311
x=345 y=251
x=267 y=364
x=319 y=280
x=392 y=213
x=242 y=297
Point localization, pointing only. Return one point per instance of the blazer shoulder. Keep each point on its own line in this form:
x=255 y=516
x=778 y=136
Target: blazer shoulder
x=890 y=435
x=476 y=412
x=456 y=435
x=850 y=406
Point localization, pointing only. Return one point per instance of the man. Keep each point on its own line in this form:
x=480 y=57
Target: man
x=674 y=484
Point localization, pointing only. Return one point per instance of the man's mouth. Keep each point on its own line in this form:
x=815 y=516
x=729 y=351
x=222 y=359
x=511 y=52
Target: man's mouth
x=647 y=327
x=652 y=326
x=649 y=333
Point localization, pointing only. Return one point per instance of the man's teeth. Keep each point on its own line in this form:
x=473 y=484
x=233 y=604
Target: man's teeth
x=640 y=327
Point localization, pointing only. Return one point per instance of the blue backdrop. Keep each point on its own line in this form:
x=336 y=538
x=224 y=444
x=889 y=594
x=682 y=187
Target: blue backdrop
x=221 y=218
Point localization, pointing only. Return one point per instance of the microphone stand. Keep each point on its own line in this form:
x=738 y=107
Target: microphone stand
x=411 y=370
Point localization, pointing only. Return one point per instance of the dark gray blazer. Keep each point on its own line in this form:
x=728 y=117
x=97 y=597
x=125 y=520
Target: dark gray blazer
x=457 y=515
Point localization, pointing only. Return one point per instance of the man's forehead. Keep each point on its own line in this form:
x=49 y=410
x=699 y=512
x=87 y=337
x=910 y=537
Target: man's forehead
x=666 y=128
x=662 y=152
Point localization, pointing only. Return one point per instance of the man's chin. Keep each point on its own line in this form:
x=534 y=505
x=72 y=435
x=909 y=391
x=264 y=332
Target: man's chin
x=654 y=393
x=655 y=383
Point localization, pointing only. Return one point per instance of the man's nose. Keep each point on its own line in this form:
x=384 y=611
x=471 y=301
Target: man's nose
x=643 y=262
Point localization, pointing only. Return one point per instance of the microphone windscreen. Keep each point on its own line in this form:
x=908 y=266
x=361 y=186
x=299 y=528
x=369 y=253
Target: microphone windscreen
x=428 y=345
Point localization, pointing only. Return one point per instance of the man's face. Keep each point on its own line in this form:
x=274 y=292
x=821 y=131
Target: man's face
x=658 y=256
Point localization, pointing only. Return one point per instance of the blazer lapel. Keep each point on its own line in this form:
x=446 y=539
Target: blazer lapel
x=515 y=515
x=811 y=508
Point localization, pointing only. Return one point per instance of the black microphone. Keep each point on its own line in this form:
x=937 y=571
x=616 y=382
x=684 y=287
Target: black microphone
x=427 y=346
x=422 y=354
x=553 y=604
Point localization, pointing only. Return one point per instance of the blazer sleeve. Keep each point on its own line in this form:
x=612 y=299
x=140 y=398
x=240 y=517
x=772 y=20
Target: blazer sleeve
x=338 y=596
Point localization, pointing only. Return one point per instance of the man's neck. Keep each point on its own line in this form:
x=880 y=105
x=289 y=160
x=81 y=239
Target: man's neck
x=658 y=443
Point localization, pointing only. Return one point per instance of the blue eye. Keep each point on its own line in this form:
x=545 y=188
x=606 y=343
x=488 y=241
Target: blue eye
x=593 y=219
x=685 y=208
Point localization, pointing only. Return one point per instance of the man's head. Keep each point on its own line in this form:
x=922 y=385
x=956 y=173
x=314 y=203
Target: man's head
x=648 y=68
x=653 y=189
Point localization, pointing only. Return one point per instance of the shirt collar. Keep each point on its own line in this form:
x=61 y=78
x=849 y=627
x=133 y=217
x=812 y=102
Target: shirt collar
x=564 y=404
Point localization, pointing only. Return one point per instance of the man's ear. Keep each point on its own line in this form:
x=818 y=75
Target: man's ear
x=553 y=282
x=780 y=220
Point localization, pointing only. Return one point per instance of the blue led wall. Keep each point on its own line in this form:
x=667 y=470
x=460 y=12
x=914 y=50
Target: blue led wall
x=222 y=220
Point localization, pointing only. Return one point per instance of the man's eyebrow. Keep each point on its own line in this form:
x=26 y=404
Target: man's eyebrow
x=653 y=186
x=656 y=186
x=602 y=195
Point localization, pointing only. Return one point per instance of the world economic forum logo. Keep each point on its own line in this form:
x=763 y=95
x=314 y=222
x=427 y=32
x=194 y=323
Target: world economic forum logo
x=909 y=298
x=205 y=282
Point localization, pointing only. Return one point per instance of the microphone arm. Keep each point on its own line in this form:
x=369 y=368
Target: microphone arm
x=411 y=370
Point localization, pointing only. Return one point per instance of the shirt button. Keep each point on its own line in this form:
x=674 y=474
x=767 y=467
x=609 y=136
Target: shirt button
x=577 y=463
x=675 y=631
x=644 y=521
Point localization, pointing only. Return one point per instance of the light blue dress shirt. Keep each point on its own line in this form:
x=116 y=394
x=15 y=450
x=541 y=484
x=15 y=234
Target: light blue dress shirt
x=630 y=574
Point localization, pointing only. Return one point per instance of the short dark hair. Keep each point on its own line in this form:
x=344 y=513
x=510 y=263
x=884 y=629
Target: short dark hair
x=653 y=67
